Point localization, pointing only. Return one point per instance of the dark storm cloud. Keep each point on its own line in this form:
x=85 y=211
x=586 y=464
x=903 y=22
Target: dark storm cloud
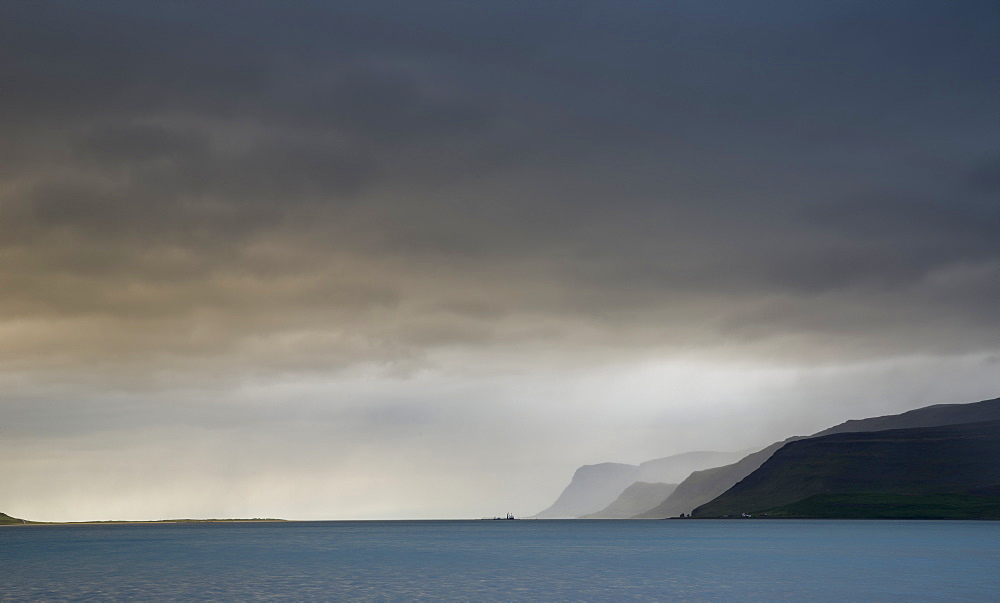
x=417 y=259
x=659 y=174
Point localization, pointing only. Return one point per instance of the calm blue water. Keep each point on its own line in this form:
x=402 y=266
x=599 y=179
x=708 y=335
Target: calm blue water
x=488 y=560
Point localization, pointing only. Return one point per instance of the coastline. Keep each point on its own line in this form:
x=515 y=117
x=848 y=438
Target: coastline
x=142 y=521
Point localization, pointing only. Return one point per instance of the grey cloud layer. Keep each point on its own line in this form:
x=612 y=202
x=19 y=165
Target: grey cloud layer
x=371 y=182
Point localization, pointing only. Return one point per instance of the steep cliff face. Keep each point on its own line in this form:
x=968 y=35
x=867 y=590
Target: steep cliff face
x=703 y=486
x=592 y=488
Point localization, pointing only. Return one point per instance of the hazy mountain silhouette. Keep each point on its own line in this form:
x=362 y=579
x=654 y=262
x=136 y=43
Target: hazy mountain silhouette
x=703 y=486
x=674 y=469
x=594 y=487
x=635 y=499
x=830 y=471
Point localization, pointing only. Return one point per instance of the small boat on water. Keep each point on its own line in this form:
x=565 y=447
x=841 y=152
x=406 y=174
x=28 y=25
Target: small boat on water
x=510 y=516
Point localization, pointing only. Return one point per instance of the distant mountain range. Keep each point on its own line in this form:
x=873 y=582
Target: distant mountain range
x=941 y=461
x=786 y=476
x=702 y=486
x=594 y=487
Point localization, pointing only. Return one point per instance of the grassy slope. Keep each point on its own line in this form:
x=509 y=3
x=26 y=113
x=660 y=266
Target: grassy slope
x=892 y=506
x=953 y=459
x=8 y=520
x=703 y=486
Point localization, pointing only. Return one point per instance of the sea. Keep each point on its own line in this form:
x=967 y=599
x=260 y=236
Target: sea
x=551 y=560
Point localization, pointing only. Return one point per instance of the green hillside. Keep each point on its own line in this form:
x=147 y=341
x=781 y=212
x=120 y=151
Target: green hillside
x=959 y=460
x=8 y=520
x=893 y=506
x=704 y=486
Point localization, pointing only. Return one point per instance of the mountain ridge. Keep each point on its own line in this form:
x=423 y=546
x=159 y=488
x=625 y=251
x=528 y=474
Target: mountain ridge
x=702 y=487
x=957 y=459
x=635 y=499
x=594 y=487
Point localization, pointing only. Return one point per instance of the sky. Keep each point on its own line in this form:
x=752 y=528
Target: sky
x=367 y=260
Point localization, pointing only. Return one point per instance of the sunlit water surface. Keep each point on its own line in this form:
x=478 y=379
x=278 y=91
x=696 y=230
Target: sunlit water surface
x=489 y=560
